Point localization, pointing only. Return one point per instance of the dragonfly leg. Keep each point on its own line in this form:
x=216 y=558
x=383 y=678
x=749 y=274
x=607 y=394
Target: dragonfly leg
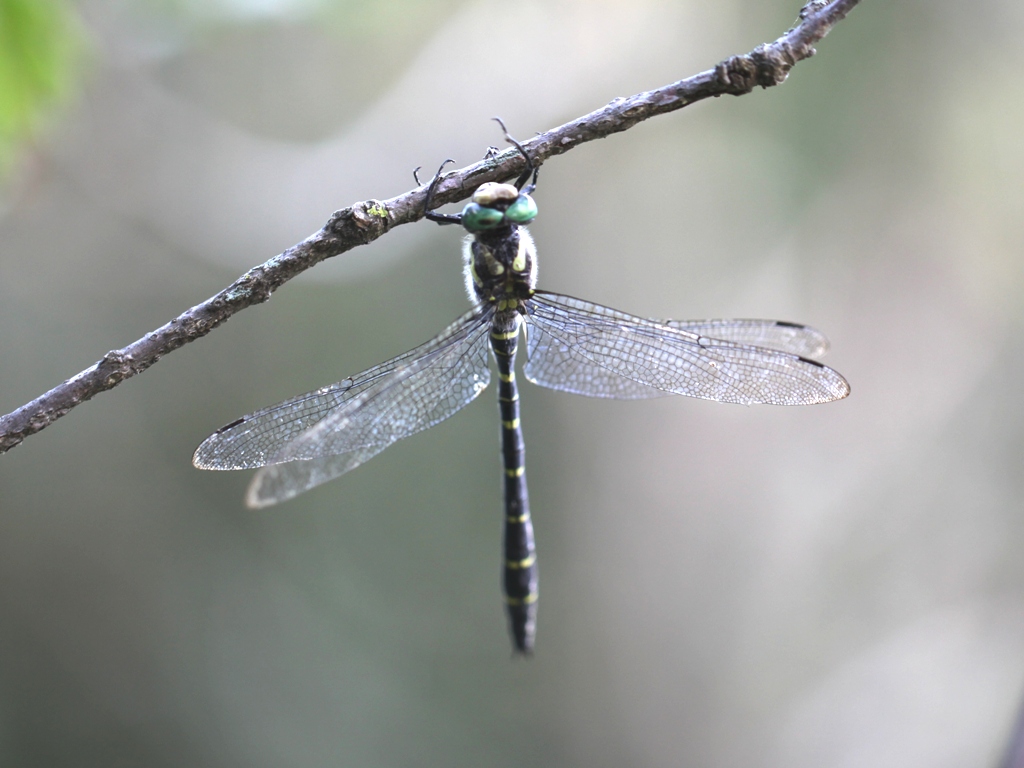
x=531 y=169
x=428 y=213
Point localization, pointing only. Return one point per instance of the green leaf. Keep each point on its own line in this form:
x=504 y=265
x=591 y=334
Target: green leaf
x=40 y=45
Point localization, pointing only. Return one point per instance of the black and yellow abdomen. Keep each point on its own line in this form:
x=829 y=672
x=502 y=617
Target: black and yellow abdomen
x=520 y=565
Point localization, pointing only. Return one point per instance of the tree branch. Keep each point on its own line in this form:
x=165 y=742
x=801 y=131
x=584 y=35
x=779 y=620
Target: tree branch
x=364 y=222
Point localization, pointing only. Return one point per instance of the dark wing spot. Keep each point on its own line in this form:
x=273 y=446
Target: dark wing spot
x=812 y=362
x=784 y=324
x=234 y=423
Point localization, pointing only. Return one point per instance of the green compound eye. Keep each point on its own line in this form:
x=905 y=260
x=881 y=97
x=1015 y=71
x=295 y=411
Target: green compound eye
x=477 y=217
x=522 y=211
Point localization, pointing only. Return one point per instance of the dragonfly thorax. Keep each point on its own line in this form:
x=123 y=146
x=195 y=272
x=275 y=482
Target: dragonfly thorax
x=500 y=265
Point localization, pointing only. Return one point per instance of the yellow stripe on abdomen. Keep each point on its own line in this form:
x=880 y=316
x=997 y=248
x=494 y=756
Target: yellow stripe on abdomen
x=520 y=565
x=530 y=599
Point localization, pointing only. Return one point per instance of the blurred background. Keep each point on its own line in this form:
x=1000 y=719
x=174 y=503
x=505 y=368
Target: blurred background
x=838 y=585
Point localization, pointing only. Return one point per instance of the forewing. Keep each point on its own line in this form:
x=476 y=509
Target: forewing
x=579 y=347
x=795 y=339
x=358 y=417
x=416 y=395
x=253 y=440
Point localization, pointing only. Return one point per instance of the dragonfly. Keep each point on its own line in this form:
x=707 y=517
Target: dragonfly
x=571 y=345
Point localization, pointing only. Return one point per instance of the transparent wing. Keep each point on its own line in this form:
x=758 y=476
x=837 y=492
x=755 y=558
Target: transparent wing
x=579 y=347
x=312 y=438
x=796 y=339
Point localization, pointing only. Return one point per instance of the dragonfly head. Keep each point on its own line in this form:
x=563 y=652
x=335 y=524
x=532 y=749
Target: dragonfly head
x=496 y=206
